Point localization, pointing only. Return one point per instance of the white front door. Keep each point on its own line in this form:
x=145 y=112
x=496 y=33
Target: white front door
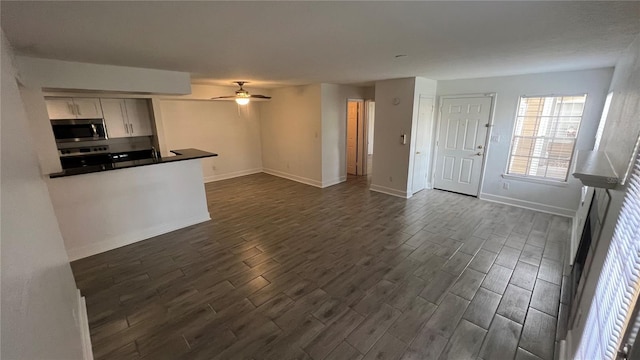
x=423 y=144
x=352 y=137
x=460 y=146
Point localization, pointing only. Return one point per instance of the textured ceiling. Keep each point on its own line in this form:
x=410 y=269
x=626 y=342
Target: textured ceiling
x=290 y=43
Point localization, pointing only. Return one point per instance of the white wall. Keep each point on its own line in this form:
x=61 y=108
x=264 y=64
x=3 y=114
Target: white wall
x=105 y=210
x=391 y=158
x=291 y=132
x=622 y=127
x=59 y=74
x=334 y=130
x=221 y=127
x=508 y=89
x=39 y=298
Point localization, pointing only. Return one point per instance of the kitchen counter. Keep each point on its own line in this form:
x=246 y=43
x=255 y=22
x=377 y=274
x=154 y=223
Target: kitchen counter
x=180 y=155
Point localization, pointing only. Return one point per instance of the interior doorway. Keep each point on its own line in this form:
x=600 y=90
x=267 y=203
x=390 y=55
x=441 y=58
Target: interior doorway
x=424 y=145
x=369 y=125
x=355 y=136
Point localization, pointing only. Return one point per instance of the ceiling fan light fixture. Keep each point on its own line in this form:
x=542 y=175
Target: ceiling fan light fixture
x=242 y=96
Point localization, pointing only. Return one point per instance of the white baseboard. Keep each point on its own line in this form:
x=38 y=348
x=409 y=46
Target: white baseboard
x=231 y=175
x=573 y=245
x=83 y=324
x=390 y=191
x=562 y=351
x=130 y=238
x=334 y=181
x=296 y=178
x=528 y=205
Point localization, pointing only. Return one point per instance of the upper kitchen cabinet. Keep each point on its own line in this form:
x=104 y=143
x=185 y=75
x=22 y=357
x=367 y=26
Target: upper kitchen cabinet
x=127 y=117
x=73 y=108
x=139 y=117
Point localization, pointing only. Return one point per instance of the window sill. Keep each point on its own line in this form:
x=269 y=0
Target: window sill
x=536 y=180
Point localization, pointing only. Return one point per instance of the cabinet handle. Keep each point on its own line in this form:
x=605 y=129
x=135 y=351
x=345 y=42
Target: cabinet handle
x=71 y=108
x=131 y=127
x=126 y=128
x=77 y=109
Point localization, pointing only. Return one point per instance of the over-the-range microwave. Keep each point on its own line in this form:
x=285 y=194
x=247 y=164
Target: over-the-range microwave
x=70 y=130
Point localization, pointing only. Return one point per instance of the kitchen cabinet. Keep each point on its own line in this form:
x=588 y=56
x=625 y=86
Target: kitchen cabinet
x=139 y=117
x=126 y=117
x=73 y=108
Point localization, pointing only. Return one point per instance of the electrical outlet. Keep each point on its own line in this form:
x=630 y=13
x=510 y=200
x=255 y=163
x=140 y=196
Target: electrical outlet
x=390 y=179
x=505 y=185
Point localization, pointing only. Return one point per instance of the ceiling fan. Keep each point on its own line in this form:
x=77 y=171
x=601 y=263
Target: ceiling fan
x=242 y=96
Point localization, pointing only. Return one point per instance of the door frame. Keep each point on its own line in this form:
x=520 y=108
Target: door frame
x=359 y=132
x=430 y=142
x=487 y=141
x=365 y=136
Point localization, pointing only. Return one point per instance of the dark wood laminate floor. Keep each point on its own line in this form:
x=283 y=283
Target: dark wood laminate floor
x=289 y=271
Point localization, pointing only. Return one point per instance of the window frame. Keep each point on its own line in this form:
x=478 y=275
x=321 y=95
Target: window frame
x=543 y=179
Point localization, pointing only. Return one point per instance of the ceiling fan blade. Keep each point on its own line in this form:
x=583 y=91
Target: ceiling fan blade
x=229 y=97
x=260 y=97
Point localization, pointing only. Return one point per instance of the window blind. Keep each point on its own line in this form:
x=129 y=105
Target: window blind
x=619 y=281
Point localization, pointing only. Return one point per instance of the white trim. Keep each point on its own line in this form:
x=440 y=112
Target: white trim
x=390 y=191
x=130 y=238
x=528 y=205
x=83 y=324
x=562 y=352
x=231 y=175
x=296 y=178
x=574 y=241
x=536 y=180
x=334 y=181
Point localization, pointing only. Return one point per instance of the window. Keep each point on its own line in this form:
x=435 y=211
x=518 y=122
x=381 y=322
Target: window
x=545 y=136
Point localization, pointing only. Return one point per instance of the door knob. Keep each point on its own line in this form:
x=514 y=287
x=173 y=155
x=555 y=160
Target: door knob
x=479 y=146
x=417 y=152
x=478 y=153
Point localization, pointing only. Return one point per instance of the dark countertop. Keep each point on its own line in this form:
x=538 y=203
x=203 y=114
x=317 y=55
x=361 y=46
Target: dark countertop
x=181 y=155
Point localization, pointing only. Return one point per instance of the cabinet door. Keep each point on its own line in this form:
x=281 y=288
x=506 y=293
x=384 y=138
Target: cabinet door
x=60 y=108
x=88 y=108
x=115 y=118
x=139 y=117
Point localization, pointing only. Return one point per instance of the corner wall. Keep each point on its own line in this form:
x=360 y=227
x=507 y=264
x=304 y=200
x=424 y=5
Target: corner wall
x=40 y=308
x=291 y=133
x=563 y=199
x=397 y=111
x=222 y=127
x=394 y=117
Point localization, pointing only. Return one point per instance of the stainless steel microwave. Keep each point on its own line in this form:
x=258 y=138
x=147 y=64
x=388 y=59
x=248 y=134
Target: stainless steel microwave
x=71 y=130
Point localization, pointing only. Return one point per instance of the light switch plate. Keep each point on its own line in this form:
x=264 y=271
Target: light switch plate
x=495 y=138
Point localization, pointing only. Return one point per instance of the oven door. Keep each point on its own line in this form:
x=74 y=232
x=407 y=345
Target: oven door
x=78 y=130
x=79 y=161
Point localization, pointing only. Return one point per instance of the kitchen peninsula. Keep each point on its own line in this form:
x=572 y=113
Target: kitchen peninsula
x=102 y=209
